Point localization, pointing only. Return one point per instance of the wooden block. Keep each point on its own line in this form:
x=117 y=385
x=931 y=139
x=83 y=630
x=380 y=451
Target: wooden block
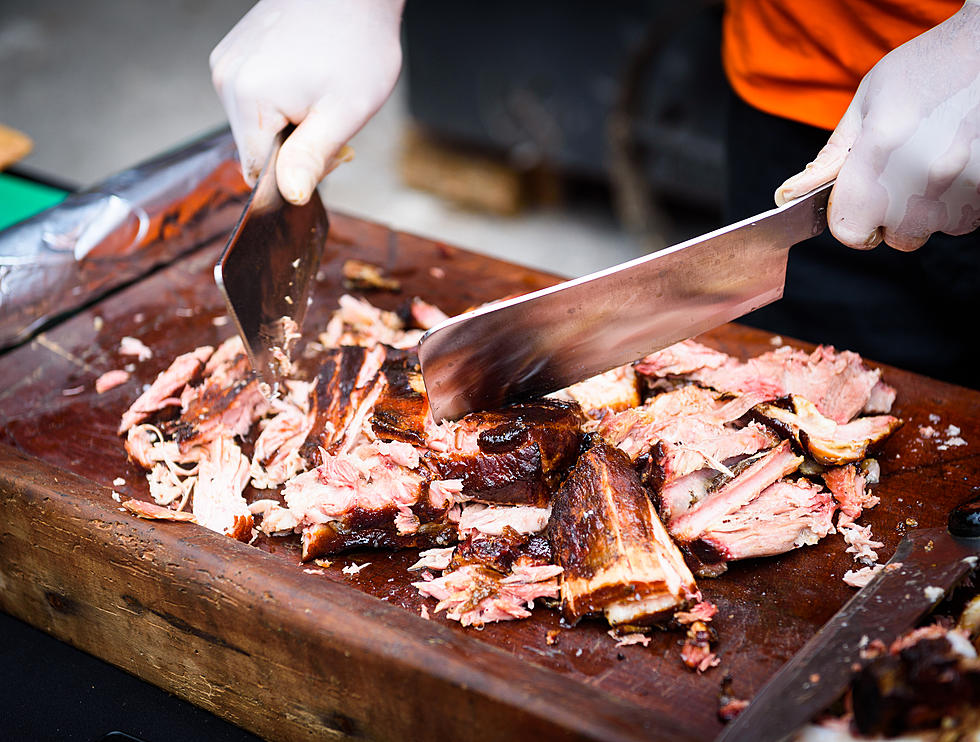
x=468 y=178
x=13 y=146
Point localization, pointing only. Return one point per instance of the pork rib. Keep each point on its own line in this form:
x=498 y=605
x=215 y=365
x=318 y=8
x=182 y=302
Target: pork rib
x=616 y=555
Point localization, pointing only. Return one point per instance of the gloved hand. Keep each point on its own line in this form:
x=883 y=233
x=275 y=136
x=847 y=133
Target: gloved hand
x=325 y=65
x=906 y=153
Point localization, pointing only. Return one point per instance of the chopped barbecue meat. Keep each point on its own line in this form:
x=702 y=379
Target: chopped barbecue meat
x=275 y=457
x=617 y=556
x=613 y=391
x=346 y=386
x=372 y=496
x=357 y=322
x=170 y=382
x=785 y=516
x=364 y=276
x=225 y=405
x=848 y=486
x=425 y=315
x=830 y=443
x=665 y=416
x=476 y=595
x=751 y=479
x=275 y=518
x=838 y=383
x=693 y=447
x=515 y=455
x=493 y=520
x=221 y=478
x=501 y=552
x=401 y=412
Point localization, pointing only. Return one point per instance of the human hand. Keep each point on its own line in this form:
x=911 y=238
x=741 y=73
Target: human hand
x=325 y=65
x=906 y=153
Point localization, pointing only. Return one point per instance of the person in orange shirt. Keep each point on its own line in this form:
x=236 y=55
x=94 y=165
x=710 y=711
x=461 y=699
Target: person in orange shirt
x=905 y=152
x=899 y=79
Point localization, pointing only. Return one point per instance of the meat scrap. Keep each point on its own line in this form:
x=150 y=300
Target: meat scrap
x=616 y=555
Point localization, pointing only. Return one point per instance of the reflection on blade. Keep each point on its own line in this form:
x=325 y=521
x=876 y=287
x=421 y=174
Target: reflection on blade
x=547 y=340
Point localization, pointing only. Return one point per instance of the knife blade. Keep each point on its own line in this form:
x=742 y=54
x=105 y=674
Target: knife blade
x=927 y=564
x=267 y=269
x=549 y=339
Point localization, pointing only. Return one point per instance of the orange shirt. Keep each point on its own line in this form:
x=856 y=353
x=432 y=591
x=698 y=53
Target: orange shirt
x=803 y=59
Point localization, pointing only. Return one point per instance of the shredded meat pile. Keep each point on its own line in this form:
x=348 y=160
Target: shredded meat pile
x=603 y=499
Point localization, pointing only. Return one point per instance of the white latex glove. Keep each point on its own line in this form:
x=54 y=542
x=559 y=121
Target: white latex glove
x=325 y=65
x=906 y=153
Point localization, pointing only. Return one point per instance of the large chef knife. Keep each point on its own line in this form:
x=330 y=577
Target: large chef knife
x=549 y=339
x=927 y=564
x=267 y=270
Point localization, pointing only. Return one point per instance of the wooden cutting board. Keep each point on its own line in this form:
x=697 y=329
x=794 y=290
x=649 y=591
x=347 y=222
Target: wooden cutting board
x=297 y=652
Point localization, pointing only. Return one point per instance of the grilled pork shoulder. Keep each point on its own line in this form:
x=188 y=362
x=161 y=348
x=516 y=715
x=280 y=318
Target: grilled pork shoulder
x=616 y=555
x=838 y=383
x=516 y=455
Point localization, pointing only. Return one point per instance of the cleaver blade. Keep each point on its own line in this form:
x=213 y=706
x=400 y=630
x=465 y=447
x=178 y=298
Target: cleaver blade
x=267 y=269
x=927 y=564
x=549 y=339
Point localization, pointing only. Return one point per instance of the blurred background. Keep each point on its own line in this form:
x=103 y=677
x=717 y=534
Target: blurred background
x=569 y=136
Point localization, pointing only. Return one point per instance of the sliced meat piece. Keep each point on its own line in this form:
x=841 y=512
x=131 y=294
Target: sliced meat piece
x=501 y=551
x=785 y=516
x=372 y=496
x=679 y=415
x=838 y=383
x=166 y=388
x=493 y=520
x=697 y=445
x=616 y=555
x=516 y=455
x=347 y=384
x=401 y=412
x=475 y=595
x=218 y=503
x=830 y=443
x=613 y=391
x=751 y=479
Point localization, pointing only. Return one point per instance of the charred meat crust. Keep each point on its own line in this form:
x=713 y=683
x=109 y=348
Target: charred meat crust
x=827 y=442
x=523 y=452
x=501 y=552
x=360 y=528
x=604 y=533
x=335 y=398
x=401 y=410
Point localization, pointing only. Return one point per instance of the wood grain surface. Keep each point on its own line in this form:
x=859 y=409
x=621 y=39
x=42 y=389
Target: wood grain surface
x=297 y=652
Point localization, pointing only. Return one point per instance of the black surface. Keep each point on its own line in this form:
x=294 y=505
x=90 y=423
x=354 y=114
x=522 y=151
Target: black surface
x=52 y=691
